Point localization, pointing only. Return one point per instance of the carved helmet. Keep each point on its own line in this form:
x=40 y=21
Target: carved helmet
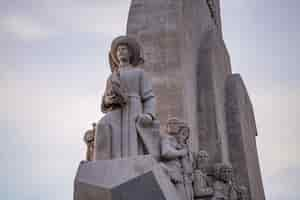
x=134 y=47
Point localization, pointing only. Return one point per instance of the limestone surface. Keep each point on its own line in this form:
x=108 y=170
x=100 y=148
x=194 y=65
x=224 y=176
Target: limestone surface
x=188 y=61
x=241 y=137
x=132 y=178
x=128 y=96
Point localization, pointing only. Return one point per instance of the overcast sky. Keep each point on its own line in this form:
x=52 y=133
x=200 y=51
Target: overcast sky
x=53 y=66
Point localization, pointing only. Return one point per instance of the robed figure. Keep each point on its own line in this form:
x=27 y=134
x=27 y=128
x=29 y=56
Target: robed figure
x=128 y=103
x=177 y=160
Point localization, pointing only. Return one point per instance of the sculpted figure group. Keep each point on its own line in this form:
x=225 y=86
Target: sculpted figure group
x=130 y=128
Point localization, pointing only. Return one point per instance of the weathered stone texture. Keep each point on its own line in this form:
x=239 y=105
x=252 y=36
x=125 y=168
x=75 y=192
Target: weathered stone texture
x=133 y=178
x=206 y=60
x=241 y=137
x=155 y=24
x=188 y=63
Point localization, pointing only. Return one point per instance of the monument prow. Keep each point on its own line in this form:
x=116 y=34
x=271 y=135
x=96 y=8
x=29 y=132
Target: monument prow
x=172 y=62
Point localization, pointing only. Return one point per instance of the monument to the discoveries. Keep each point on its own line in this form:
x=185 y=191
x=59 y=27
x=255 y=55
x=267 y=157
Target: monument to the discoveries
x=190 y=68
x=174 y=63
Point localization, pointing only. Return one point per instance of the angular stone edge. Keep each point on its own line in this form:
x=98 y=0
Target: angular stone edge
x=242 y=132
x=151 y=167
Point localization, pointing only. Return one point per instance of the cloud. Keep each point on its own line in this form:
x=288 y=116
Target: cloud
x=40 y=20
x=277 y=111
x=25 y=28
x=262 y=38
x=283 y=184
x=43 y=129
x=53 y=75
x=95 y=17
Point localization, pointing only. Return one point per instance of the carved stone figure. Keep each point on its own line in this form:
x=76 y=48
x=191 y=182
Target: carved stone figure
x=177 y=159
x=224 y=188
x=128 y=97
x=202 y=183
x=89 y=139
x=202 y=159
x=243 y=193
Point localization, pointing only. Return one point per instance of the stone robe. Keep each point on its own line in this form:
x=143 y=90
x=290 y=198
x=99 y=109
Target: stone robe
x=117 y=135
x=202 y=188
x=179 y=169
x=224 y=191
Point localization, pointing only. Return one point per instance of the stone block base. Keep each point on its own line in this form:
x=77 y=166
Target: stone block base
x=133 y=178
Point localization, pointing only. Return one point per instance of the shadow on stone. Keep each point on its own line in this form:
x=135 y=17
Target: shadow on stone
x=133 y=178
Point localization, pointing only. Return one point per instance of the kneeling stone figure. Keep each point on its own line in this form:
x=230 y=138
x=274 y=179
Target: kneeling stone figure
x=202 y=183
x=224 y=188
x=177 y=159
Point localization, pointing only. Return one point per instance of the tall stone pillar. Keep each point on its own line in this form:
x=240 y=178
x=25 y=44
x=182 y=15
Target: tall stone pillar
x=206 y=63
x=242 y=136
x=189 y=63
x=155 y=24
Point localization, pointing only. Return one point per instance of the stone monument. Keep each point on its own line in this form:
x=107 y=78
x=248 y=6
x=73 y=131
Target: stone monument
x=189 y=63
x=172 y=62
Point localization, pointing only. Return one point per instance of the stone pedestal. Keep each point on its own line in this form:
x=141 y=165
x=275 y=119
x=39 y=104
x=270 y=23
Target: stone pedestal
x=133 y=178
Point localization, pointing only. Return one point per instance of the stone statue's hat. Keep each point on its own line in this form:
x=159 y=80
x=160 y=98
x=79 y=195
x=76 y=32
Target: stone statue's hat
x=136 y=58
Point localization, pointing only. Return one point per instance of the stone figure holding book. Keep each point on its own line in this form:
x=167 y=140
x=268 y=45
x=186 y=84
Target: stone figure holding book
x=128 y=98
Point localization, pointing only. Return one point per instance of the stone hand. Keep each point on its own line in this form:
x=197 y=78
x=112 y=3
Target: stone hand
x=114 y=99
x=183 y=152
x=145 y=119
x=109 y=99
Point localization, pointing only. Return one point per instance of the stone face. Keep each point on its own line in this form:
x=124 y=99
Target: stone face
x=241 y=137
x=133 y=178
x=224 y=188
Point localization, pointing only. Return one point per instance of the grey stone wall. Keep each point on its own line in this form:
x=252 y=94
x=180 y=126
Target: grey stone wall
x=241 y=137
x=155 y=24
x=205 y=59
x=189 y=64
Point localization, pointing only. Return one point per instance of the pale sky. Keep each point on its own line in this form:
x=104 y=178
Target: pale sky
x=53 y=67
